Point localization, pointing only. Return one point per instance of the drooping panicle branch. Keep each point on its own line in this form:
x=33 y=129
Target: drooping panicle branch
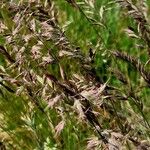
x=136 y=64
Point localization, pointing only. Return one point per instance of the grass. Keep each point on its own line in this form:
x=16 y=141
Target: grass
x=74 y=75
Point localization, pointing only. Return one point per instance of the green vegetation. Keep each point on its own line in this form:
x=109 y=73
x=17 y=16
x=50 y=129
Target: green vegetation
x=74 y=75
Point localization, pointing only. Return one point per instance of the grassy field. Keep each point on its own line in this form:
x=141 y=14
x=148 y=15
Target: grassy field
x=74 y=75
